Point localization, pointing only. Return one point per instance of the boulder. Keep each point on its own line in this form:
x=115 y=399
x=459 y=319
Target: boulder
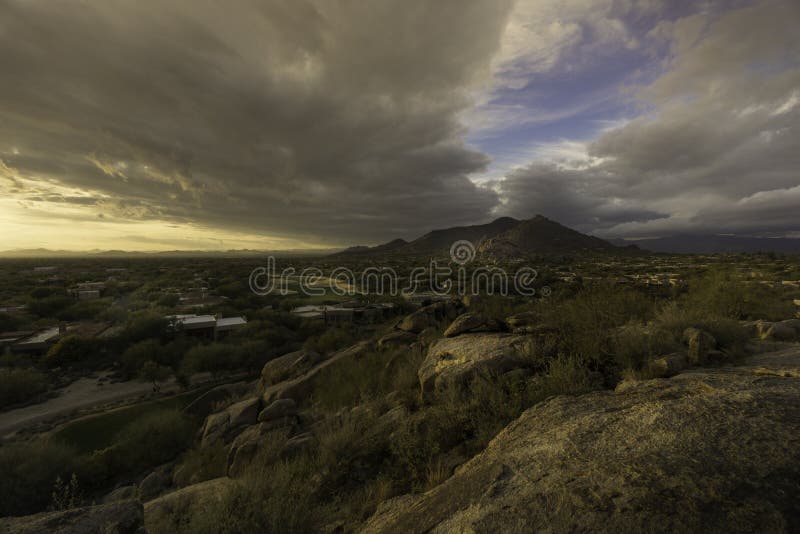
x=397 y=338
x=417 y=321
x=700 y=343
x=244 y=413
x=792 y=323
x=123 y=517
x=429 y=316
x=123 y=493
x=244 y=448
x=296 y=444
x=751 y=327
x=301 y=387
x=713 y=450
x=428 y=336
x=522 y=323
x=279 y=408
x=451 y=360
x=281 y=422
x=204 y=405
x=160 y=514
x=669 y=365
x=154 y=484
x=779 y=332
x=470 y=322
x=215 y=427
x=288 y=366
x=762 y=327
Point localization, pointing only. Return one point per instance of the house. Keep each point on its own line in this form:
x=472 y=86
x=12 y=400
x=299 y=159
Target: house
x=229 y=324
x=87 y=290
x=346 y=313
x=40 y=340
x=205 y=326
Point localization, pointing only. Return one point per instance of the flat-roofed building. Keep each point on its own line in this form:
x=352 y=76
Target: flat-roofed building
x=41 y=340
x=207 y=326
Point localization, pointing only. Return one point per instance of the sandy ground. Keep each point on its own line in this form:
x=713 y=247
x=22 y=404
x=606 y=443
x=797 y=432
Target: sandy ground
x=82 y=394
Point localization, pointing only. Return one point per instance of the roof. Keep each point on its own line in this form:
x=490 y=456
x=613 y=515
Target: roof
x=198 y=321
x=231 y=322
x=41 y=336
x=309 y=314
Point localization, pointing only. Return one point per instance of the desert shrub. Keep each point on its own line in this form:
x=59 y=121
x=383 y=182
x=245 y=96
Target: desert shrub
x=634 y=344
x=29 y=471
x=151 y=440
x=201 y=462
x=720 y=294
x=269 y=498
x=49 y=306
x=9 y=322
x=330 y=340
x=674 y=317
x=21 y=385
x=585 y=323
x=144 y=325
x=135 y=356
x=73 y=350
x=215 y=358
x=567 y=375
x=369 y=376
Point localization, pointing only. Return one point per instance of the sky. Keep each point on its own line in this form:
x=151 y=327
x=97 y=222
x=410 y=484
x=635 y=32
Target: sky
x=185 y=124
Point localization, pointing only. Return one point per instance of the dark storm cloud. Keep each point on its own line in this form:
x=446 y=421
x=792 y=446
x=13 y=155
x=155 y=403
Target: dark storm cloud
x=335 y=120
x=720 y=150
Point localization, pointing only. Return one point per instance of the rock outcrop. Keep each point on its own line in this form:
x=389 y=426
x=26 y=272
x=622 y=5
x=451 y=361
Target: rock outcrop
x=288 y=366
x=450 y=360
x=124 y=517
x=158 y=513
x=430 y=315
x=788 y=330
x=397 y=338
x=203 y=405
x=472 y=322
x=709 y=449
x=668 y=365
x=700 y=344
x=227 y=423
x=299 y=388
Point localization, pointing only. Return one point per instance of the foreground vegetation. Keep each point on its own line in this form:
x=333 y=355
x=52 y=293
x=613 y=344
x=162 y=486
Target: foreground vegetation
x=374 y=437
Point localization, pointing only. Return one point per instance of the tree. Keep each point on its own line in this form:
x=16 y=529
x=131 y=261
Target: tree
x=155 y=373
x=71 y=350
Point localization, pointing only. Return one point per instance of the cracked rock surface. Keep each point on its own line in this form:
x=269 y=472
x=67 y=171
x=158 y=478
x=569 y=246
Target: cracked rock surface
x=714 y=449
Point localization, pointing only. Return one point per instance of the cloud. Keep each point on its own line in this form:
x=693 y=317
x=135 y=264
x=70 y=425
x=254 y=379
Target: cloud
x=294 y=118
x=718 y=152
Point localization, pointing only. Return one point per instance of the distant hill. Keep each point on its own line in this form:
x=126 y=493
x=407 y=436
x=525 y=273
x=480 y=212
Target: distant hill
x=44 y=253
x=541 y=235
x=503 y=237
x=712 y=244
x=439 y=241
x=391 y=246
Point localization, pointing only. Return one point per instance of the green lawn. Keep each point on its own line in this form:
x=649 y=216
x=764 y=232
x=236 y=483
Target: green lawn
x=98 y=431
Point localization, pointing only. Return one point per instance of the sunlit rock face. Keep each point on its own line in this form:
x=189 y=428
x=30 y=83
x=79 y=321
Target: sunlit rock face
x=651 y=456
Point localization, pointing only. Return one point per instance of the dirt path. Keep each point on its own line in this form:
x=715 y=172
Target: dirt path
x=82 y=394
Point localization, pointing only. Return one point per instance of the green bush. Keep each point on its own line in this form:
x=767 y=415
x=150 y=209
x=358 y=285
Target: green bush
x=151 y=440
x=135 y=356
x=73 y=350
x=29 y=472
x=21 y=385
x=201 y=462
x=331 y=340
x=215 y=358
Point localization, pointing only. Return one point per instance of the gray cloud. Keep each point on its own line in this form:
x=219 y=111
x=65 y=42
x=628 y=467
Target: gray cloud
x=719 y=152
x=335 y=121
